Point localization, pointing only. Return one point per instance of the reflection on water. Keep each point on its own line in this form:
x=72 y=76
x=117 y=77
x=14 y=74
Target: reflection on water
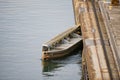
x=53 y=68
x=24 y=26
x=49 y=66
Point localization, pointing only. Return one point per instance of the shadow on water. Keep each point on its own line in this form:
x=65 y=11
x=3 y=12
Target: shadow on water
x=52 y=66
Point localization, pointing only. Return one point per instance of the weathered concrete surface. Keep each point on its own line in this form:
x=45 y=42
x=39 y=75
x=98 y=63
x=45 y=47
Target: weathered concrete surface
x=100 y=60
x=111 y=16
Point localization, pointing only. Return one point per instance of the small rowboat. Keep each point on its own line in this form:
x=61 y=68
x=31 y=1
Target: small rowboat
x=63 y=44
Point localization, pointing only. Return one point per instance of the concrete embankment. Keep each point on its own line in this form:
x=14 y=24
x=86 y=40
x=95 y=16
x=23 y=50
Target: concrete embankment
x=100 y=59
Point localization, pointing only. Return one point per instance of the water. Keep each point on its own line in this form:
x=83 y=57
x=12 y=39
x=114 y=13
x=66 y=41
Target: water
x=24 y=26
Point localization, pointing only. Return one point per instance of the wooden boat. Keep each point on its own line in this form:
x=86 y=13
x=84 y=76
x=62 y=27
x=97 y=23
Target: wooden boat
x=62 y=44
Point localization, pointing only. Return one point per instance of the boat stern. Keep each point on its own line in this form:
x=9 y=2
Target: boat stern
x=45 y=48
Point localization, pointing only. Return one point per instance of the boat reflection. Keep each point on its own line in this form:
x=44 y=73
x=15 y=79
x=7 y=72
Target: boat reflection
x=52 y=68
x=49 y=66
x=53 y=65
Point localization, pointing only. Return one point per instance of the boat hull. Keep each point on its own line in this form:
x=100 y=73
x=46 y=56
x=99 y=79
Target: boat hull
x=46 y=55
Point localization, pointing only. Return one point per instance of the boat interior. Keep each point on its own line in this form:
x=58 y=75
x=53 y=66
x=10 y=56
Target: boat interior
x=64 y=40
